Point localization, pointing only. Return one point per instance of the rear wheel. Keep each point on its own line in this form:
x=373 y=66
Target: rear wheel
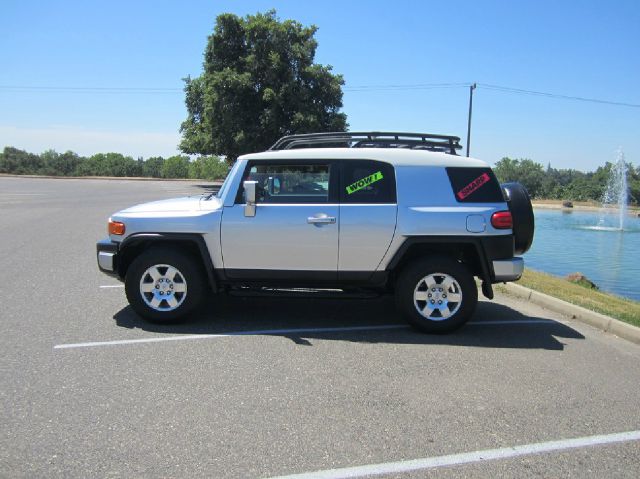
x=437 y=294
x=164 y=285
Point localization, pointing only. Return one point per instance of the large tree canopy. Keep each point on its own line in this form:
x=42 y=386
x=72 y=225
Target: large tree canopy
x=259 y=83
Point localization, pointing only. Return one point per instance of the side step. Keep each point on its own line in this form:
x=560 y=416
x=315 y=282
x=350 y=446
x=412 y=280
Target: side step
x=303 y=293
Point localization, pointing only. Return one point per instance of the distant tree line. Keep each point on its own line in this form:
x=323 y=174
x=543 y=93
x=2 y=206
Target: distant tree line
x=549 y=183
x=52 y=163
x=564 y=184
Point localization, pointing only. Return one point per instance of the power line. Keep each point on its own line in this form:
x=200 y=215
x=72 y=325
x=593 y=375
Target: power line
x=93 y=89
x=355 y=89
x=520 y=91
x=487 y=86
x=416 y=86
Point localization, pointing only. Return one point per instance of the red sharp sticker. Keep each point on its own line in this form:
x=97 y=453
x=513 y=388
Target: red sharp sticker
x=473 y=186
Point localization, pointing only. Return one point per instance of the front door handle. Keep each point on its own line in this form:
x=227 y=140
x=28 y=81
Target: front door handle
x=321 y=220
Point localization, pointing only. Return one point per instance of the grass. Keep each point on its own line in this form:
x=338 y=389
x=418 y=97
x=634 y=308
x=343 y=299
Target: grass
x=584 y=204
x=624 y=309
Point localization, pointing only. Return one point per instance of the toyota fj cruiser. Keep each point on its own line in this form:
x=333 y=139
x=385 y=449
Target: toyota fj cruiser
x=394 y=212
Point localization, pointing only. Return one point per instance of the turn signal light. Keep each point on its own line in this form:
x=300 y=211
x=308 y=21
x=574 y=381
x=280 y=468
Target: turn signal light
x=116 y=228
x=502 y=220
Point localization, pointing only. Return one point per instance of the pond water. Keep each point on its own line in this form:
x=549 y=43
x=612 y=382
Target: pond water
x=590 y=243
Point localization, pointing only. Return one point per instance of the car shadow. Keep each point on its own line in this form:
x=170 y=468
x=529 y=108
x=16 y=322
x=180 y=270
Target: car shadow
x=261 y=315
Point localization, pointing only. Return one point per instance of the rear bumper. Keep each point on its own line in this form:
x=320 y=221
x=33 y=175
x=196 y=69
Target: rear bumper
x=107 y=256
x=508 y=269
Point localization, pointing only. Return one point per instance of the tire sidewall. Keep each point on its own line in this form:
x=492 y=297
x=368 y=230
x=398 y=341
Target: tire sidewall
x=182 y=262
x=410 y=278
x=522 y=214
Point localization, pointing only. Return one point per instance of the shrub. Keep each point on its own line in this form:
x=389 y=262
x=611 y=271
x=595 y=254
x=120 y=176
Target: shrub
x=176 y=167
x=208 y=168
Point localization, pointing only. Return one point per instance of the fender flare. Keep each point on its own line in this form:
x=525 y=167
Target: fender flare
x=194 y=238
x=486 y=271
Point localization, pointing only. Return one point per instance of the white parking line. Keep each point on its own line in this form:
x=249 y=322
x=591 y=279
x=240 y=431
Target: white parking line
x=112 y=286
x=22 y=194
x=188 y=337
x=516 y=321
x=467 y=457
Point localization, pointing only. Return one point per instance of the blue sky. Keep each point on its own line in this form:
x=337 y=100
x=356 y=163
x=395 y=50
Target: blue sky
x=575 y=48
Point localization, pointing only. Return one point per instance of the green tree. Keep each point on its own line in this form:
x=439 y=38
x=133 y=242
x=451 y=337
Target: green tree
x=176 y=167
x=506 y=170
x=208 y=168
x=527 y=172
x=60 y=164
x=634 y=184
x=109 y=164
x=152 y=167
x=50 y=162
x=20 y=162
x=259 y=83
x=584 y=188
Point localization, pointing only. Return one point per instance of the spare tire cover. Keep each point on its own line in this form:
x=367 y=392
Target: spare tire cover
x=522 y=214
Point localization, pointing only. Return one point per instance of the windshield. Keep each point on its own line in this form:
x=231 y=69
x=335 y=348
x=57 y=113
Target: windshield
x=225 y=184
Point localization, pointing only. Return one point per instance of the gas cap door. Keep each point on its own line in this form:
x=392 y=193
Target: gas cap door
x=476 y=224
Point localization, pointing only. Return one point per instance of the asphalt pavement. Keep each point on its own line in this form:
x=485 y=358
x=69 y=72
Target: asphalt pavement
x=256 y=387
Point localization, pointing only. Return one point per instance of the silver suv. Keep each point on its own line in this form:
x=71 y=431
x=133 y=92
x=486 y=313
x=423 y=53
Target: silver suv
x=389 y=212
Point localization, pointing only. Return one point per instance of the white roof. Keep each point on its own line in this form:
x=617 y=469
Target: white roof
x=395 y=156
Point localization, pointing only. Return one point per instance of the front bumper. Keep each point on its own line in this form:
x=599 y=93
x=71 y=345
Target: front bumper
x=508 y=269
x=107 y=256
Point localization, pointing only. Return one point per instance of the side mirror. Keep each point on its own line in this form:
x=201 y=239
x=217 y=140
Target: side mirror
x=250 y=197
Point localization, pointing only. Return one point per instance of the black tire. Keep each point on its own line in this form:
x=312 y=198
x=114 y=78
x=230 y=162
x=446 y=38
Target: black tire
x=436 y=268
x=189 y=277
x=522 y=215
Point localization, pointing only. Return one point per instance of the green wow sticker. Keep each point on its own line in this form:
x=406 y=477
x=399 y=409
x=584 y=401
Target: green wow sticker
x=358 y=185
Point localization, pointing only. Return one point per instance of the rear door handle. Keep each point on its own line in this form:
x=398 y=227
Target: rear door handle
x=321 y=220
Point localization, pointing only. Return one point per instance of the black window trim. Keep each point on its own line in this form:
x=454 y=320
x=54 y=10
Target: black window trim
x=334 y=172
x=335 y=179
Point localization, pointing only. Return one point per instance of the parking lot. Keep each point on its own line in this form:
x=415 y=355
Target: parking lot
x=258 y=387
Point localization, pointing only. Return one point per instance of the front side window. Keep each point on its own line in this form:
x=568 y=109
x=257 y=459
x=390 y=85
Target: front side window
x=290 y=183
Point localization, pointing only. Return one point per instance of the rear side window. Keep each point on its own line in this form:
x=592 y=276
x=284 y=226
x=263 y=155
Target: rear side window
x=475 y=185
x=367 y=181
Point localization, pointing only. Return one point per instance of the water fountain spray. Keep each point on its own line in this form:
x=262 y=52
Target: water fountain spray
x=617 y=193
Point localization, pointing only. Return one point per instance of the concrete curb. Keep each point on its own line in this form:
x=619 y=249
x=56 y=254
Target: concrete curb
x=597 y=320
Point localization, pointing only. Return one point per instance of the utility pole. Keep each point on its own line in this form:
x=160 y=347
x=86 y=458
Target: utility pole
x=471 y=88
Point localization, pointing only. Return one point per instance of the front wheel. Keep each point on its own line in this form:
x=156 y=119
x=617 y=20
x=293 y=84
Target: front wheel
x=436 y=294
x=164 y=285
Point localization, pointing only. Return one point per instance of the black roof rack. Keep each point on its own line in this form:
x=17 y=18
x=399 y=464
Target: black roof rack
x=370 y=139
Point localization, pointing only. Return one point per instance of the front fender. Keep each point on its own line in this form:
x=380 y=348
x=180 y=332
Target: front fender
x=137 y=242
